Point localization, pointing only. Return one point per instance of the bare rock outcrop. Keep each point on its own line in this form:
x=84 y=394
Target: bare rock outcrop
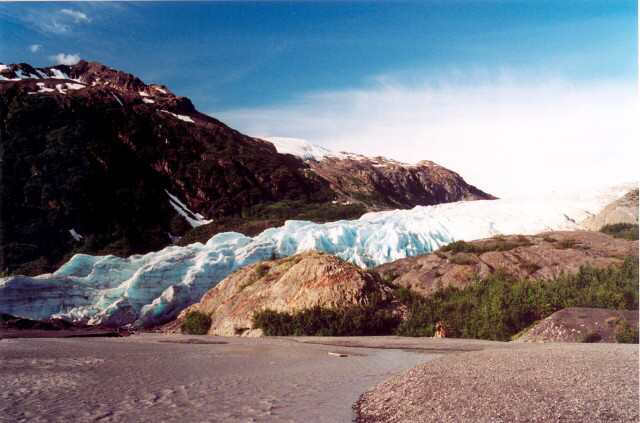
x=291 y=284
x=542 y=256
x=622 y=210
x=575 y=323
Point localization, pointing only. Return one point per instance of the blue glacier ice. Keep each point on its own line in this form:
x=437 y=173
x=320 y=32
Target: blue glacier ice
x=150 y=289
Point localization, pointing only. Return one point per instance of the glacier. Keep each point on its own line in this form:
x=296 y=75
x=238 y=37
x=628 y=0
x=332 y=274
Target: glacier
x=150 y=289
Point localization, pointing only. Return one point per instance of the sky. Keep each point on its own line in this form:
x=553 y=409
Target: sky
x=516 y=96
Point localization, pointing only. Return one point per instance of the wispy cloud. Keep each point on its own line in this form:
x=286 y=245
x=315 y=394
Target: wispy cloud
x=55 y=21
x=34 y=48
x=76 y=15
x=65 y=59
x=506 y=134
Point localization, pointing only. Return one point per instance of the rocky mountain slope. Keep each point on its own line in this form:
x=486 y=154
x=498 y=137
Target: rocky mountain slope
x=378 y=182
x=543 y=256
x=97 y=161
x=295 y=283
x=575 y=324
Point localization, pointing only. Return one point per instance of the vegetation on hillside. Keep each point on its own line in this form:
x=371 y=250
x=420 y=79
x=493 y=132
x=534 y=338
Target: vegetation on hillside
x=500 y=306
x=498 y=243
x=496 y=308
x=626 y=334
x=621 y=230
x=318 y=321
x=196 y=323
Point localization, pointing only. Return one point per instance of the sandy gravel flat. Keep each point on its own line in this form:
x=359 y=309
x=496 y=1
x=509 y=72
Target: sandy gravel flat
x=558 y=382
x=164 y=378
x=154 y=377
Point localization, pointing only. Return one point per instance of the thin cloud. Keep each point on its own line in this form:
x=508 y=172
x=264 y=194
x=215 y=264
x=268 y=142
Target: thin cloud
x=34 y=48
x=59 y=22
x=507 y=136
x=77 y=16
x=65 y=59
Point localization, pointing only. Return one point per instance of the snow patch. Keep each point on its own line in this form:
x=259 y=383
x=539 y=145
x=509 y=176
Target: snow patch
x=159 y=89
x=75 y=234
x=184 y=118
x=72 y=86
x=43 y=89
x=194 y=219
x=118 y=99
x=308 y=151
x=143 y=94
x=153 y=288
x=58 y=74
x=148 y=101
x=300 y=148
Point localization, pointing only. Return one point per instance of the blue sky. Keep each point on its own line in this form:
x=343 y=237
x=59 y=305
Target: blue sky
x=268 y=68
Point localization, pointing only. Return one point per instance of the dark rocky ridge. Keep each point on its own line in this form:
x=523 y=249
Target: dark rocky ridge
x=93 y=149
x=381 y=183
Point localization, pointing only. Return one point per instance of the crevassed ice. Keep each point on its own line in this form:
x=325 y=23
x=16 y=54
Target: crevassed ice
x=150 y=289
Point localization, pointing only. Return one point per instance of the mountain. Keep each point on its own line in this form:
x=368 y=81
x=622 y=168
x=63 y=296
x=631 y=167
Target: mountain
x=151 y=289
x=291 y=284
x=94 y=160
x=381 y=183
x=542 y=256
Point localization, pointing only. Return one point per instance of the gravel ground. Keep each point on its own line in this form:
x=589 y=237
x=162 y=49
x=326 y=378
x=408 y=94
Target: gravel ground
x=532 y=383
x=175 y=378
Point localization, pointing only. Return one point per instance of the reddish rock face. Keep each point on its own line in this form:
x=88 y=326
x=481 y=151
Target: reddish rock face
x=543 y=256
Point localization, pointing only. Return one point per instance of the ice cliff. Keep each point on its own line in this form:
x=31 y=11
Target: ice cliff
x=149 y=289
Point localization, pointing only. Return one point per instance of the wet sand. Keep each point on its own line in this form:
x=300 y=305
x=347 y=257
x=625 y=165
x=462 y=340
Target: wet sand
x=184 y=378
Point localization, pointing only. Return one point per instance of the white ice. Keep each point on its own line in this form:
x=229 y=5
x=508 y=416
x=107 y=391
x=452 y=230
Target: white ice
x=152 y=288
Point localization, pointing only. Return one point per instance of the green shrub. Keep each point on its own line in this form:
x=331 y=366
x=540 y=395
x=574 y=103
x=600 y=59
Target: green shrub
x=591 y=337
x=261 y=269
x=626 y=334
x=621 y=230
x=463 y=259
x=502 y=306
x=196 y=323
x=460 y=247
x=318 y=321
x=498 y=243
